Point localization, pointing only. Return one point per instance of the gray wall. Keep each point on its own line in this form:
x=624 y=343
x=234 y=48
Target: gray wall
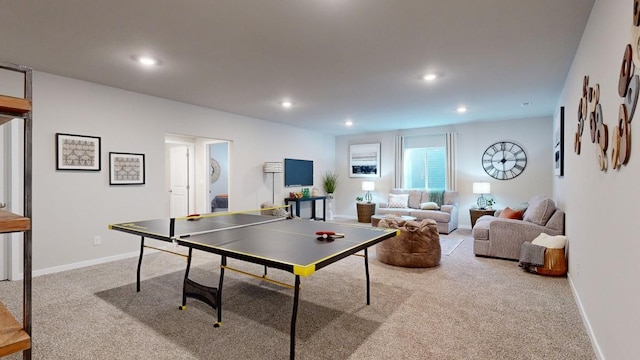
x=602 y=223
x=534 y=135
x=71 y=207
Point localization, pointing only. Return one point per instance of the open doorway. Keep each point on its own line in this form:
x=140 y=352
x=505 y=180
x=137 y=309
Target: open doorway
x=219 y=176
x=197 y=175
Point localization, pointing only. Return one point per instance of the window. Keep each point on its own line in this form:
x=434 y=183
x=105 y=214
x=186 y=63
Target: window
x=425 y=165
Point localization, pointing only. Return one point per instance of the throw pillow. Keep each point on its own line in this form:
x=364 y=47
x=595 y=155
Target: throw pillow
x=430 y=205
x=550 y=241
x=509 y=213
x=398 y=200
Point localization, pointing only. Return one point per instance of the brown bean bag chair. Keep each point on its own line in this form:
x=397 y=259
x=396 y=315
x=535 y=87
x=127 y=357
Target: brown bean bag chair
x=418 y=244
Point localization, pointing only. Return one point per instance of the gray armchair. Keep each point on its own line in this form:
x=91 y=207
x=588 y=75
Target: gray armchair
x=502 y=238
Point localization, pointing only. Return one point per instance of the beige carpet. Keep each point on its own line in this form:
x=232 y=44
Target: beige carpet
x=467 y=308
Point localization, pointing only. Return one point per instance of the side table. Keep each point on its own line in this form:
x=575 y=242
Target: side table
x=476 y=213
x=365 y=210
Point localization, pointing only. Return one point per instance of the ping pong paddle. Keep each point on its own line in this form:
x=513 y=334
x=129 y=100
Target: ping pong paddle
x=193 y=217
x=328 y=235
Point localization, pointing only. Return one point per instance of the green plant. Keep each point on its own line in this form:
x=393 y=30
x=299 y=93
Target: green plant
x=359 y=198
x=490 y=202
x=329 y=182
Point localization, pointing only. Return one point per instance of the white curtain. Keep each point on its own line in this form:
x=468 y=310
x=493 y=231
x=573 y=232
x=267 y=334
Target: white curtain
x=451 y=146
x=399 y=161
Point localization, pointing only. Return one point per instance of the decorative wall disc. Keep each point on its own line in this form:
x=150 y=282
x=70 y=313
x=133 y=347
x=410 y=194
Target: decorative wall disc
x=580 y=127
x=615 y=151
x=635 y=41
x=601 y=158
x=636 y=12
x=625 y=71
x=593 y=127
x=602 y=136
x=624 y=133
x=577 y=144
x=631 y=99
x=585 y=85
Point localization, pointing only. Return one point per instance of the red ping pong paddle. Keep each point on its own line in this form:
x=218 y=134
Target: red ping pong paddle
x=192 y=217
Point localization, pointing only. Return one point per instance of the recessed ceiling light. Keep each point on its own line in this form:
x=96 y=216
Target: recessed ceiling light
x=286 y=104
x=461 y=109
x=526 y=103
x=430 y=77
x=348 y=123
x=147 y=60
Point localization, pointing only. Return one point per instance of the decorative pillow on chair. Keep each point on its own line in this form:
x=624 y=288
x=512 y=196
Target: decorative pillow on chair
x=509 y=213
x=398 y=200
x=430 y=205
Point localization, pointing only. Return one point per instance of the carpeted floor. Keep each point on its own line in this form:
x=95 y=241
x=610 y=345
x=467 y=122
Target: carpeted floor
x=467 y=308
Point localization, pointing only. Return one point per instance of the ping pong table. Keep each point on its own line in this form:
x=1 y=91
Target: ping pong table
x=274 y=242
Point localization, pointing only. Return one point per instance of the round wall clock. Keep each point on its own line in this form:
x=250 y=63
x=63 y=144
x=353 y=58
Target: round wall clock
x=214 y=170
x=504 y=160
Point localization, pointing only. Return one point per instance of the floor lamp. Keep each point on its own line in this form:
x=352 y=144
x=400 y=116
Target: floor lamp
x=273 y=168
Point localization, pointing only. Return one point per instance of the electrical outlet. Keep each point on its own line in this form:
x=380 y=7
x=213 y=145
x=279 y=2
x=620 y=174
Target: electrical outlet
x=578 y=269
x=96 y=240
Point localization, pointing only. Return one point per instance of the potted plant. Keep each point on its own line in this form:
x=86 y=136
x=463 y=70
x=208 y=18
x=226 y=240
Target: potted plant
x=329 y=183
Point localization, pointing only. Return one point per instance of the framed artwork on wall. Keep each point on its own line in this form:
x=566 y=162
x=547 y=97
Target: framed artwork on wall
x=77 y=152
x=558 y=143
x=126 y=168
x=364 y=160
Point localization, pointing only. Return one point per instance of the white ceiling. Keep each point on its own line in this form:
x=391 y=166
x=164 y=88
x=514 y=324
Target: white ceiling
x=336 y=59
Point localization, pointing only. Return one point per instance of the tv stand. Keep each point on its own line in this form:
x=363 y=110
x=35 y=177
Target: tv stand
x=313 y=199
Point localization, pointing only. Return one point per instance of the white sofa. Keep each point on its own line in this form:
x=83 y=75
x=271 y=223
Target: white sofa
x=446 y=216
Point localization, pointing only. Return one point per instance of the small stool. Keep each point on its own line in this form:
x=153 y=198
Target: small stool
x=555 y=263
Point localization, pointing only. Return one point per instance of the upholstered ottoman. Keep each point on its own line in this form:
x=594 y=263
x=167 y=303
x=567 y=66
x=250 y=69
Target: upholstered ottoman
x=418 y=244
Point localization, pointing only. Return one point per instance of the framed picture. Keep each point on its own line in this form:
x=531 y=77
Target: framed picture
x=558 y=143
x=364 y=160
x=126 y=168
x=77 y=152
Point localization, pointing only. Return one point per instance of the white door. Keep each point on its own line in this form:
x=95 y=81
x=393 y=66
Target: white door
x=179 y=180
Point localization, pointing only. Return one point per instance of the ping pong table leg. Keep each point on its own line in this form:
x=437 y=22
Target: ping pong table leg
x=366 y=270
x=186 y=278
x=139 y=264
x=223 y=264
x=294 y=315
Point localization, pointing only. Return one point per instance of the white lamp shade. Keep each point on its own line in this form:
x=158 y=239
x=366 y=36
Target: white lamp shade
x=368 y=185
x=481 y=188
x=273 y=167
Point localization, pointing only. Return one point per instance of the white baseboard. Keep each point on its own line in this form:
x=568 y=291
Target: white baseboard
x=585 y=320
x=81 y=264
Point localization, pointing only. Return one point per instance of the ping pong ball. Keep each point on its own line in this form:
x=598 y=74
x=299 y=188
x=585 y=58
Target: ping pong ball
x=324 y=236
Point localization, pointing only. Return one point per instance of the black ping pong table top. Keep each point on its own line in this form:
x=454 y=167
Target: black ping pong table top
x=288 y=244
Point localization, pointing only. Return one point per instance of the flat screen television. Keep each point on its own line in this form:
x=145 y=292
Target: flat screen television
x=298 y=172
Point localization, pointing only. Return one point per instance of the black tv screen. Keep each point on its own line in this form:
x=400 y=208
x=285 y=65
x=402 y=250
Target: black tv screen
x=298 y=172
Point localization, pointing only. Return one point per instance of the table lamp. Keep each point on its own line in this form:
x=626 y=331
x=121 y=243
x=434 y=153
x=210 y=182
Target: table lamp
x=273 y=168
x=368 y=186
x=481 y=188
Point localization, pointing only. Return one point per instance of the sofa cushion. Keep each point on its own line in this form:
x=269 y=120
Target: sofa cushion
x=437 y=215
x=430 y=205
x=540 y=210
x=414 y=199
x=508 y=213
x=394 y=211
x=398 y=200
